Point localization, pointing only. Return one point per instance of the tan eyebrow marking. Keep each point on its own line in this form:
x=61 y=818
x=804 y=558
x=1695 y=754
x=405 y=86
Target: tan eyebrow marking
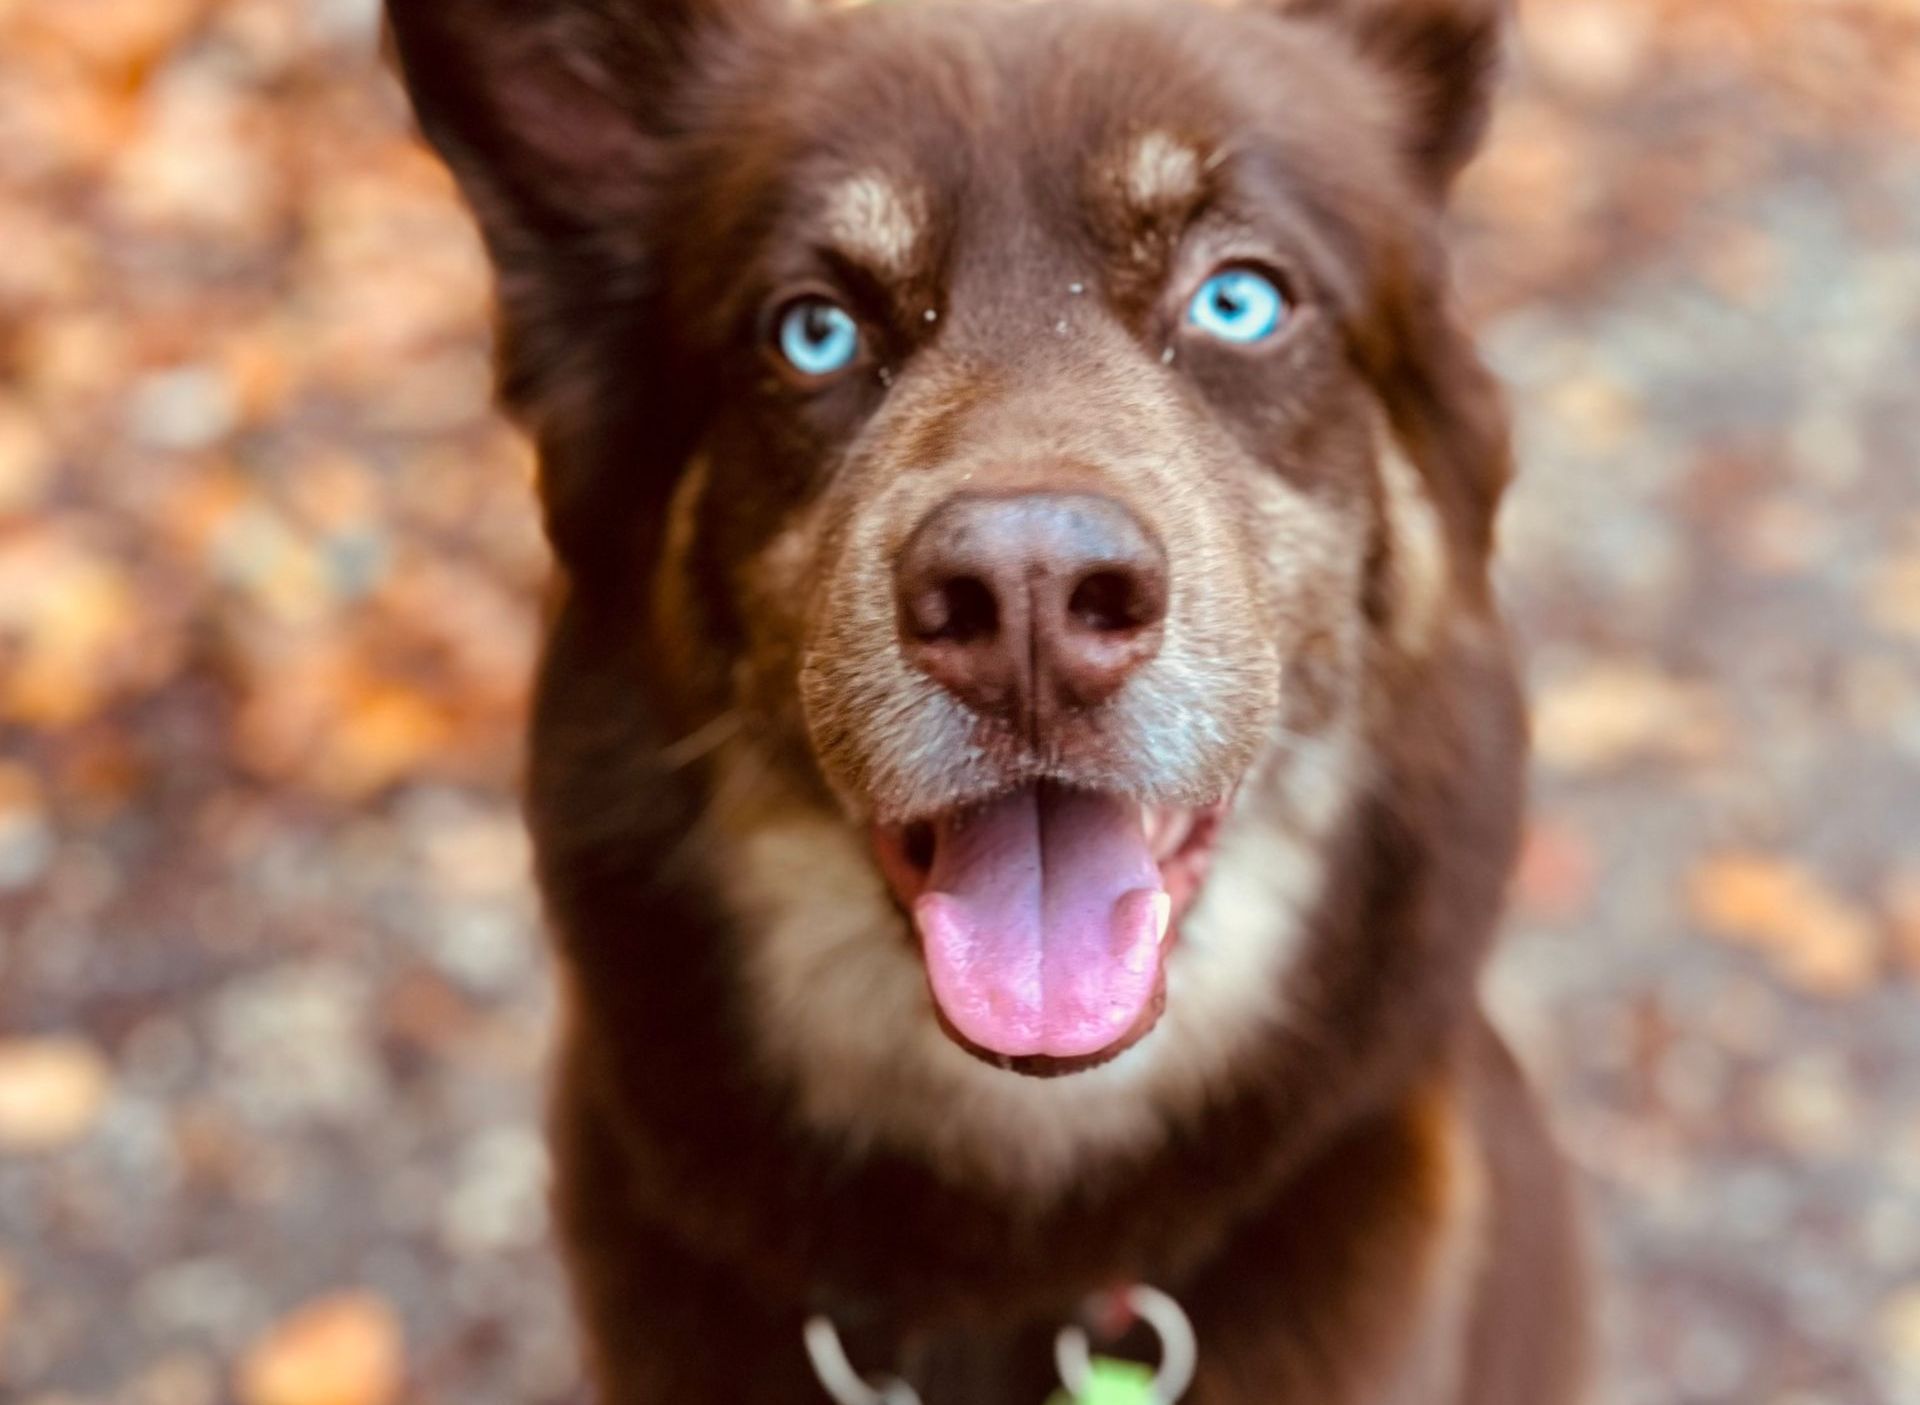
x=1160 y=170
x=877 y=222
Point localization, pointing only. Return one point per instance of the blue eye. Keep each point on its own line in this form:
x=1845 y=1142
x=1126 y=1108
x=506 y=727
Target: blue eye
x=1238 y=305
x=818 y=337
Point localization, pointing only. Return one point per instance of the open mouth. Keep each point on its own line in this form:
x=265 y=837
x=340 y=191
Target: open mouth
x=1045 y=916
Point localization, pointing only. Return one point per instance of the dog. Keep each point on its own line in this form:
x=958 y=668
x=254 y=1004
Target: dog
x=1026 y=759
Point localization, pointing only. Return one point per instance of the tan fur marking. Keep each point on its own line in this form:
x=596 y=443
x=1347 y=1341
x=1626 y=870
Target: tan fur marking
x=673 y=609
x=1160 y=170
x=1433 y=1363
x=877 y=222
x=1420 y=565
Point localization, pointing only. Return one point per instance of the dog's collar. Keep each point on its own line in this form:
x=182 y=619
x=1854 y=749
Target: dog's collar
x=1089 y=1379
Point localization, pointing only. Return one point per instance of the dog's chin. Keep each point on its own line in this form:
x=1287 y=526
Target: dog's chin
x=1045 y=916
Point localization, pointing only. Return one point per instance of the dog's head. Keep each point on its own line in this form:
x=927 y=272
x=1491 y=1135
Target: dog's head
x=1034 y=425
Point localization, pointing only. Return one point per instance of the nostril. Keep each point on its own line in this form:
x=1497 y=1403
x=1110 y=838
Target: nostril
x=1024 y=606
x=1109 y=602
x=960 y=610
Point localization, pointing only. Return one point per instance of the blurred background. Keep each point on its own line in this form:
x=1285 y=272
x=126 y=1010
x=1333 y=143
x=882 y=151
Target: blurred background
x=273 y=1008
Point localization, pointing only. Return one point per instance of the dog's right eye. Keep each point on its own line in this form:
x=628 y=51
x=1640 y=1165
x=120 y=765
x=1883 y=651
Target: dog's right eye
x=1240 y=305
x=816 y=336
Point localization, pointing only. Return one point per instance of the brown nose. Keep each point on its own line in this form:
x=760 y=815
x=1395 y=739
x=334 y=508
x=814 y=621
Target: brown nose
x=1028 y=605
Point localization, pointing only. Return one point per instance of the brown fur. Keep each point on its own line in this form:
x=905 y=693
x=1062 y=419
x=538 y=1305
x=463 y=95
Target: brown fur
x=1323 y=1151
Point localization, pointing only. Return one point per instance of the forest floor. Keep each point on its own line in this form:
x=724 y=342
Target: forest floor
x=273 y=1001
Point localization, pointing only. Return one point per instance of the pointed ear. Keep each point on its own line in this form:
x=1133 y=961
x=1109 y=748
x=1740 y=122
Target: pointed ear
x=546 y=110
x=1444 y=56
x=558 y=119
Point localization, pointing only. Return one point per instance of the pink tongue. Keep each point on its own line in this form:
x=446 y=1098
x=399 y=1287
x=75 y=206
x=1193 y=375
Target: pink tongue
x=1042 y=921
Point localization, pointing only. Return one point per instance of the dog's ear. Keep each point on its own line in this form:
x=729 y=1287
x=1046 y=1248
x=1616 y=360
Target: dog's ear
x=559 y=120
x=1443 y=56
x=548 y=110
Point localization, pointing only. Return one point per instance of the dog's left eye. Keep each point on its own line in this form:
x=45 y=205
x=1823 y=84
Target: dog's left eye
x=817 y=336
x=1238 y=305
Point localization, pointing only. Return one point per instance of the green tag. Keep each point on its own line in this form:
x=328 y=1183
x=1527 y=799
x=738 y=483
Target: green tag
x=1113 y=1383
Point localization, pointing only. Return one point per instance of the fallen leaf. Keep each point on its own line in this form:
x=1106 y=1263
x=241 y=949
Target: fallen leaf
x=1779 y=536
x=125 y=37
x=386 y=733
x=1893 y=596
x=1814 y=939
x=73 y=616
x=1615 y=711
x=26 y=460
x=9 y=1294
x=1879 y=692
x=1554 y=877
x=1741 y=265
x=1810 y=1104
x=1903 y=912
x=1899 y=1331
x=1595 y=46
x=341 y=1350
x=1596 y=409
x=51 y=1092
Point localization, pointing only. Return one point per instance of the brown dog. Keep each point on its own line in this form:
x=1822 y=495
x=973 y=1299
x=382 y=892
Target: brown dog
x=1026 y=762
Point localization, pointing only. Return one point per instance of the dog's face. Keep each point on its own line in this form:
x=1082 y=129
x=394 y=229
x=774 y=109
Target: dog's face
x=1034 y=426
